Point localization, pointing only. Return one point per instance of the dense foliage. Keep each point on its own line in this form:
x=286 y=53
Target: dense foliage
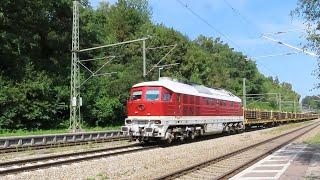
x=311 y=102
x=35 y=58
x=309 y=10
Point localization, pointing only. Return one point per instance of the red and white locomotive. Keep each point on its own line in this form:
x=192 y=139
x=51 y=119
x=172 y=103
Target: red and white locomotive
x=167 y=110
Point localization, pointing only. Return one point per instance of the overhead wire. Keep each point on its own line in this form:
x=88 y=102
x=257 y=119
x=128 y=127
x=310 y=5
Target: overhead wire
x=237 y=12
x=287 y=31
x=217 y=31
x=268 y=69
x=207 y=23
x=274 y=55
x=244 y=18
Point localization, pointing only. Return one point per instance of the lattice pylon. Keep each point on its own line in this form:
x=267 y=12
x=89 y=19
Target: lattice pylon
x=75 y=100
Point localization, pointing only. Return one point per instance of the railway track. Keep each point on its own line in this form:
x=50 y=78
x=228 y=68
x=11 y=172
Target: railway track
x=227 y=165
x=11 y=167
x=33 y=142
x=59 y=145
x=23 y=143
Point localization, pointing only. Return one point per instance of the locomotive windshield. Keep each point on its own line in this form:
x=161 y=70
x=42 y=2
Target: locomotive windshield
x=152 y=95
x=136 y=95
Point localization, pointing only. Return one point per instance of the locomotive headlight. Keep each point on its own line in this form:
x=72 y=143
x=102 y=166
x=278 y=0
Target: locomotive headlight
x=128 y=121
x=157 y=121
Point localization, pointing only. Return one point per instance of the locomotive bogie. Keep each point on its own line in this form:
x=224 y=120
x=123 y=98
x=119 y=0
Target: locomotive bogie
x=178 y=129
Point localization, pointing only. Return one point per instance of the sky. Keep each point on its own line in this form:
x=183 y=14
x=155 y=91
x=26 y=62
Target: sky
x=242 y=24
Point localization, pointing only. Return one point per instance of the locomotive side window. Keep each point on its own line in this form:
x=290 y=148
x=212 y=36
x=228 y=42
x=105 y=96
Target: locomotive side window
x=152 y=95
x=136 y=95
x=224 y=103
x=208 y=101
x=166 y=97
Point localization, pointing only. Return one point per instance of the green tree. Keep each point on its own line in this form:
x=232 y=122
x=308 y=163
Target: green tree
x=35 y=55
x=311 y=101
x=309 y=10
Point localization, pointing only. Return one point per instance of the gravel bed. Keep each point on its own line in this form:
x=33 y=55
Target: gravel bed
x=151 y=163
x=59 y=150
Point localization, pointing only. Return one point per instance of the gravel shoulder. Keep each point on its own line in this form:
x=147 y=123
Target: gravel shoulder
x=311 y=138
x=156 y=162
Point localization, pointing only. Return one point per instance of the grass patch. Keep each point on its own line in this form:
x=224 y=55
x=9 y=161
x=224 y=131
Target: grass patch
x=314 y=140
x=100 y=176
x=22 y=132
x=286 y=127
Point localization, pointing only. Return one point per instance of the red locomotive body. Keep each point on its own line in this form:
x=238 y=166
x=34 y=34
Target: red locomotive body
x=168 y=110
x=159 y=101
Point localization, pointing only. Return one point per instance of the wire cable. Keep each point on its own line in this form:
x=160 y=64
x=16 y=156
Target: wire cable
x=207 y=23
x=237 y=12
x=216 y=30
x=287 y=31
x=274 y=55
x=268 y=69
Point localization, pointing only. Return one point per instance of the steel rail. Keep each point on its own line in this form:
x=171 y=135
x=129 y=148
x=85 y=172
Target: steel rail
x=212 y=161
x=48 y=161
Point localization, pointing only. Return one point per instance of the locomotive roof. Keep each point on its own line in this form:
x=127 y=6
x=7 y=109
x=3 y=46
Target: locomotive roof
x=191 y=89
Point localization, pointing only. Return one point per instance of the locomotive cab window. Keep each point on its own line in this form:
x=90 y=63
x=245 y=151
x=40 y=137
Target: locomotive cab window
x=166 y=97
x=152 y=95
x=136 y=95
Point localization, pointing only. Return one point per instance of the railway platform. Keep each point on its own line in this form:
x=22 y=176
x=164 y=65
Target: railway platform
x=293 y=161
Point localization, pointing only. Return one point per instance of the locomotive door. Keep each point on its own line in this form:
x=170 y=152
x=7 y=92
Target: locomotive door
x=179 y=105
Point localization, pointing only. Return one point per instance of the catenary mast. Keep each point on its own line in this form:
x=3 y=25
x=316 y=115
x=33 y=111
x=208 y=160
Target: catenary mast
x=75 y=99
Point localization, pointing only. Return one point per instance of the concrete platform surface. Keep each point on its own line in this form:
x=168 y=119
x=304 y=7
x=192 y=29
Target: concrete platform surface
x=292 y=162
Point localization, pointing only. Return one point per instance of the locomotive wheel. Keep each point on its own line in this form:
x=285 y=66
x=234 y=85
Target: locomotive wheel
x=232 y=131
x=237 y=130
x=146 y=141
x=201 y=132
x=131 y=139
x=169 y=141
x=181 y=138
x=169 y=137
x=226 y=132
x=192 y=135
